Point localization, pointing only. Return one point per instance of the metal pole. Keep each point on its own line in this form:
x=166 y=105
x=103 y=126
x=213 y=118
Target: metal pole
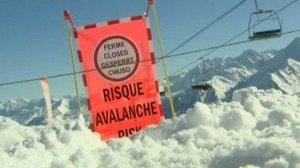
x=163 y=61
x=68 y=21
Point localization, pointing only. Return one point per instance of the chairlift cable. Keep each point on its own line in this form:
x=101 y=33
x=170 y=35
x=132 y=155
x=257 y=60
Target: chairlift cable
x=204 y=28
x=226 y=43
x=215 y=48
x=170 y=56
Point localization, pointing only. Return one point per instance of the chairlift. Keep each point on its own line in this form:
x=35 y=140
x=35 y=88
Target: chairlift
x=260 y=22
x=201 y=86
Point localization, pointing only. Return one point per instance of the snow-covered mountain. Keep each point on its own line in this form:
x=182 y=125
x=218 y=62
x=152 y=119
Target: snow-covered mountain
x=33 y=112
x=281 y=72
x=269 y=69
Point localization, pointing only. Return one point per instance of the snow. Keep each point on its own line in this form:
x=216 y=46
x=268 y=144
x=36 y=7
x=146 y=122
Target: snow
x=258 y=128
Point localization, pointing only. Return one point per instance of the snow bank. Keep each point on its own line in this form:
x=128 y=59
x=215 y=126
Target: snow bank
x=259 y=129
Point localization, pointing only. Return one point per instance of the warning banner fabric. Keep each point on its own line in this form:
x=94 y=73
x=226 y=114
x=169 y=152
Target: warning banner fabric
x=120 y=77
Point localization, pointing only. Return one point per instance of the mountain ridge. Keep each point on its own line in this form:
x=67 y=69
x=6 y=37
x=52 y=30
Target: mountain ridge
x=271 y=69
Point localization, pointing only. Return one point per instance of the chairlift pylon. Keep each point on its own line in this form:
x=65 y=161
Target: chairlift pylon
x=263 y=16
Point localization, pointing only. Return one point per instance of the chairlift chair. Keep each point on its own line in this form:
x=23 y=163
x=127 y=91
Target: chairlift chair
x=201 y=86
x=263 y=16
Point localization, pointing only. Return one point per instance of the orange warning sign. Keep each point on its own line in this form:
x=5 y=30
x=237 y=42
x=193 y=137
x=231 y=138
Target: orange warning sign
x=120 y=77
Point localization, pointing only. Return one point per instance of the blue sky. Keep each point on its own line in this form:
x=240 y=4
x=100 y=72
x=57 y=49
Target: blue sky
x=34 y=37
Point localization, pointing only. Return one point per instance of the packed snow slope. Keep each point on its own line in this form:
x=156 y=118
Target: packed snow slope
x=258 y=129
x=269 y=69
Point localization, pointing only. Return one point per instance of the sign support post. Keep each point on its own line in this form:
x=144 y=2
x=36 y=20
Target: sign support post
x=68 y=21
x=163 y=59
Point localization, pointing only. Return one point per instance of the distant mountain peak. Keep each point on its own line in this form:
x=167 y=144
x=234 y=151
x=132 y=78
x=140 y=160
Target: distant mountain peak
x=293 y=50
x=294 y=44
